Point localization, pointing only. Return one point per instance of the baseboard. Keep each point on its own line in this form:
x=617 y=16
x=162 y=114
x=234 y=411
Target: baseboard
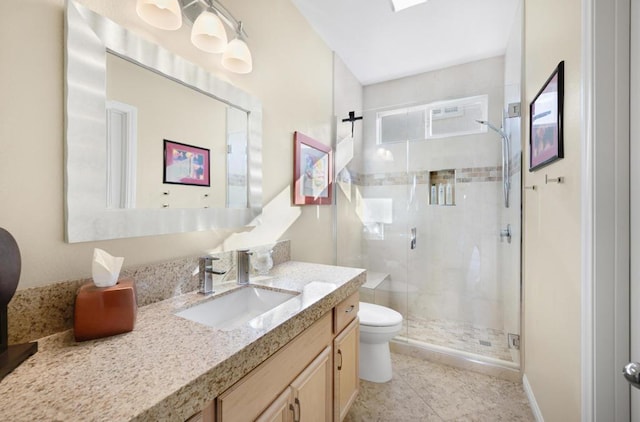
x=532 y=399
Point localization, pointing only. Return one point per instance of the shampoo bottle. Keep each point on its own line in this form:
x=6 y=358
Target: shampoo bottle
x=434 y=194
x=449 y=194
x=441 y=198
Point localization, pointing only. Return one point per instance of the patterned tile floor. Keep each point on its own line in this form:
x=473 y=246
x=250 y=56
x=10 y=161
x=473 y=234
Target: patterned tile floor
x=459 y=336
x=425 y=391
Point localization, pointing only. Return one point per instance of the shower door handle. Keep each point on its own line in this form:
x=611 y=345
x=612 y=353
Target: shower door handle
x=414 y=235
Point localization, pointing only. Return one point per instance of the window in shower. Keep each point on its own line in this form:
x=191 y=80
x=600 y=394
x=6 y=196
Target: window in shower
x=401 y=125
x=439 y=119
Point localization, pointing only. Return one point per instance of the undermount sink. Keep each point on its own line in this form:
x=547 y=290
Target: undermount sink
x=233 y=309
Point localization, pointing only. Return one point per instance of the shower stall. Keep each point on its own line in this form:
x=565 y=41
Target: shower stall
x=428 y=200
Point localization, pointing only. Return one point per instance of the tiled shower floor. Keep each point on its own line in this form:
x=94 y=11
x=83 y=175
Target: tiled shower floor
x=462 y=336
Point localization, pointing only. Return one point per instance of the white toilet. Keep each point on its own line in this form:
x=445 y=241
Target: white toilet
x=378 y=325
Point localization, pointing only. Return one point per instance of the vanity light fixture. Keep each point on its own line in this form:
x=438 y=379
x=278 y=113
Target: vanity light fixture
x=163 y=14
x=237 y=57
x=208 y=33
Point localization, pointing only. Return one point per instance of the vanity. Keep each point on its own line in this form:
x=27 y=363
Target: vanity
x=300 y=358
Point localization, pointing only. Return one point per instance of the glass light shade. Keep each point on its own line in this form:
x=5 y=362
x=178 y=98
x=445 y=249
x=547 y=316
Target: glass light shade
x=399 y=5
x=208 y=33
x=163 y=14
x=237 y=57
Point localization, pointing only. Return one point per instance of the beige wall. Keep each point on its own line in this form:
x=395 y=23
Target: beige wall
x=551 y=242
x=292 y=76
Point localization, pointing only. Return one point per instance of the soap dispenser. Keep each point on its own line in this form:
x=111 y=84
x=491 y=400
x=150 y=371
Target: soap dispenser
x=449 y=194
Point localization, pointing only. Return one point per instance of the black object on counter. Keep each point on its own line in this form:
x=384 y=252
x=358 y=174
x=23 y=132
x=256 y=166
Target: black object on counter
x=10 y=266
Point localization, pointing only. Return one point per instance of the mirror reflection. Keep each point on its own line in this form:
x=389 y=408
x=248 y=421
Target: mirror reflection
x=158 y=109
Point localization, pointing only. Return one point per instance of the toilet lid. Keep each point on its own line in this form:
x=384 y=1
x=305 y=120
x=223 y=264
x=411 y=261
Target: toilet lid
x=378 y=316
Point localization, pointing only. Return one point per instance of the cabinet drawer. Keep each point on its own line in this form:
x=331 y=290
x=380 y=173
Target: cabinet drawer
x=345 y=312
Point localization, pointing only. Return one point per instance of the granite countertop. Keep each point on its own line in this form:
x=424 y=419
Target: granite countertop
x=168 y=367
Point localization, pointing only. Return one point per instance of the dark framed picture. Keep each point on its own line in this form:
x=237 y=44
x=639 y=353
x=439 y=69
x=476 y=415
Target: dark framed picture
x=312 y=171
x=185 y=164
x=545 y=122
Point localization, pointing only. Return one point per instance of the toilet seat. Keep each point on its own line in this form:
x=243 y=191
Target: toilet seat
x=378 y=316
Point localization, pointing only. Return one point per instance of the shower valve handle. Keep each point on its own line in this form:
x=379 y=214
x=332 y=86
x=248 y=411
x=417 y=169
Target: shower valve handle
x=414 y=235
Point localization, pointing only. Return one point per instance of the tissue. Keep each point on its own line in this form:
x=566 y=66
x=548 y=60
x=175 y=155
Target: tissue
x=105 y=268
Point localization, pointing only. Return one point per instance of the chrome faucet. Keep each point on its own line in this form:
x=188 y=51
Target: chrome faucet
x=242 y=266
x=205 y=274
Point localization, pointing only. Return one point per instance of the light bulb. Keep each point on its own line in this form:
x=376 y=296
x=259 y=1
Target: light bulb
x=237 y=57
x=208 y=33
x=163 y=14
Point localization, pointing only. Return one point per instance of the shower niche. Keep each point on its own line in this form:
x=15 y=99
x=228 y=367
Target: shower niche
x=442 y=184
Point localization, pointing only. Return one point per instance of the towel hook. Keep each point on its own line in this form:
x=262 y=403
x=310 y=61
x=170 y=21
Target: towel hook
x=558 y=179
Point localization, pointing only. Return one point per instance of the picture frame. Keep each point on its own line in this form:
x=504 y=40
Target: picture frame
x=313 y=171
x=186 y=164
x=546 y=121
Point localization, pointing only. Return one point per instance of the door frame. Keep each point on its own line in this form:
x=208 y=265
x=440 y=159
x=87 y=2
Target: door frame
x=605 y=209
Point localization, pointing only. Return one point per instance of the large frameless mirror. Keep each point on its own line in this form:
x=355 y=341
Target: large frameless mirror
x=130 y=106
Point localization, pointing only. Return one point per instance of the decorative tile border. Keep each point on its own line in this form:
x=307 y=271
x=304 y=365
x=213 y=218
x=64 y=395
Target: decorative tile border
x=462 y=175
x=40 y=311
x=479 y=174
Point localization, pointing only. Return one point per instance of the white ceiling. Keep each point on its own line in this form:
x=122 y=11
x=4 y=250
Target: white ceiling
x=377 y=44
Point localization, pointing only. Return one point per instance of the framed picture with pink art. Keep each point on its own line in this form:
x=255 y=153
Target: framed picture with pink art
x=545 y=122
x=312 y=171
x=185 y=164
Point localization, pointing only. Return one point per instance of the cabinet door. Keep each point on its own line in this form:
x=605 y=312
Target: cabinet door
x=246 y=399
x=312 y=391
x=346 y=374
x=281 y=410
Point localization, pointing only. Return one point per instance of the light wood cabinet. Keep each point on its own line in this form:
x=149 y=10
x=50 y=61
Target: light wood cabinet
x=311 y=391
x=280 y=410
x=314 y=378
x=308 y=398
x=205 y=415
x=346 y=372
x=254 y=393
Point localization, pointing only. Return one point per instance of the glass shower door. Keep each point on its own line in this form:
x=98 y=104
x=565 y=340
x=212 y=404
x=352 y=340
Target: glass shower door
x=371 y=211
x=463 y=274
